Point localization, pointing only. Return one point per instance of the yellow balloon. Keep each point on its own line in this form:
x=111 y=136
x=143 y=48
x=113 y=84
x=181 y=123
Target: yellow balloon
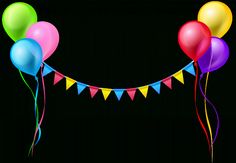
x=217 y=16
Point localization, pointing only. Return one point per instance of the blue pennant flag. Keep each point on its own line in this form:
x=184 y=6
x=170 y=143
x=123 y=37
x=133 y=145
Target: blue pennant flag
x=190 y=69
x=119 y=93
x=47 y=69
x=156 y=86
x=80 y=87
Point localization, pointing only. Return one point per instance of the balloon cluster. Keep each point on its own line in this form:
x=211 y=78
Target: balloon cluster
x=34 y=41
x=201 y=40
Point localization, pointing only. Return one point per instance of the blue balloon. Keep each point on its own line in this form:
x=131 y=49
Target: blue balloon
x=26 y=55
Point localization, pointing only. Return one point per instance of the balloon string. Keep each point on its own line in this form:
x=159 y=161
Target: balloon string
x=44 y=97
x=195 y=101
x=36 y=106
x=216 y=113
x=207 y=118
x=42 y=116
x=36 y=99
x=23 y=79
x=37 y=128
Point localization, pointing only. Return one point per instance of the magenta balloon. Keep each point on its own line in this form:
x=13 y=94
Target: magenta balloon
x=215 y=57
x=46 y=35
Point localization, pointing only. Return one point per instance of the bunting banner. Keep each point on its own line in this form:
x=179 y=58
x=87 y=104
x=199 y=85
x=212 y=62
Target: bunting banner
x=179 y=76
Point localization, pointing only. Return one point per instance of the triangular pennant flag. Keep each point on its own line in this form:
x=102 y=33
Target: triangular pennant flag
x=167 y=82
x=57 y=77
x=179 y=76
x=190 y=69
x=157 y=87
x=144 y=90
x=80 y=87
x=46 y=69
x=69 y=82
x=131 y=92
x=119 y=93
x=93 y=90
x=106 y=92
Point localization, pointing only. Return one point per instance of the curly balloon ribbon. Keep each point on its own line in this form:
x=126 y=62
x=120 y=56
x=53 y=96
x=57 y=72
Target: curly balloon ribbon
x=35 y=104
x=43 y=113
x=206 y=115
x=37 y=119
x=36 y=112
x=214 y=108
x=44 y=97
x=195 y=101
x=44 y=106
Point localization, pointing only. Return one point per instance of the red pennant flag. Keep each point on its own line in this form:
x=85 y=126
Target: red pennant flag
x=57 y=77
x=131 y=92
x=168 y=82
x=93 y=91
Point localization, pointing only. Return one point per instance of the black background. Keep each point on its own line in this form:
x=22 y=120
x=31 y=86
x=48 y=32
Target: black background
x=119 y=43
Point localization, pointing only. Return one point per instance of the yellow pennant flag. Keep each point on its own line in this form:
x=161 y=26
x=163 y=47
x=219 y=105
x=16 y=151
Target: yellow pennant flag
x=69 y=82
x=106 y=92
x=179 y=76
x=144 y=90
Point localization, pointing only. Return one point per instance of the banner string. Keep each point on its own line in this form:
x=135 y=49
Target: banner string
x=196 y=107
x=149 y=84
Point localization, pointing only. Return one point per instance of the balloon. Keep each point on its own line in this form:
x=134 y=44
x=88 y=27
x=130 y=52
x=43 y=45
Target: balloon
x=26 y=55
x=217 y=16
x=194 y=39
x=17 y=18
x=46 y=35
x=215 y=57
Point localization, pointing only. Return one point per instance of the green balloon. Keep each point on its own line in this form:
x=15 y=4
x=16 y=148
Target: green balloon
x=17 y=18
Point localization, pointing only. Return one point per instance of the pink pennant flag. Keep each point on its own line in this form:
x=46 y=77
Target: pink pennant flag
x=131 y=92
x=93 y=90
x=168 y=82
x=57 y=77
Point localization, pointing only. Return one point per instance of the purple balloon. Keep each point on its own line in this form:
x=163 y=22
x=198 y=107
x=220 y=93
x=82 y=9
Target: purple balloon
x=215 y=57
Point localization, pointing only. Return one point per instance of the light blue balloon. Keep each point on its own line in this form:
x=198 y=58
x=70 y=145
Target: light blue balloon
x=26 y=55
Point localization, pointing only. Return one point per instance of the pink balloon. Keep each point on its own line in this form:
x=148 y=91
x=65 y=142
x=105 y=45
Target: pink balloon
x=46 y=35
